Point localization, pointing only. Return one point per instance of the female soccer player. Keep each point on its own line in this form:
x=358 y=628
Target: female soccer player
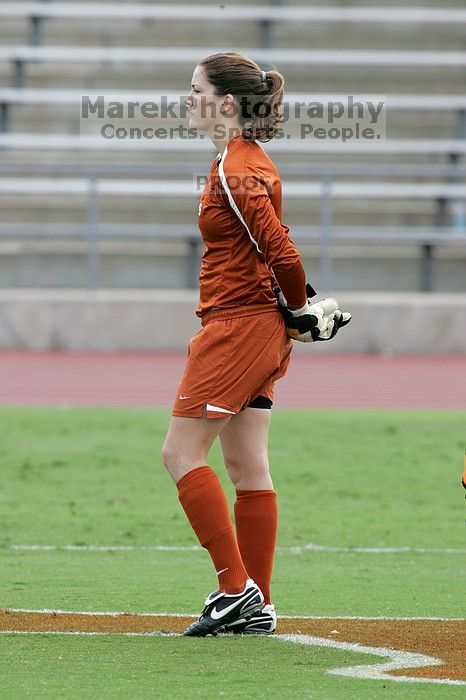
x=243 y=346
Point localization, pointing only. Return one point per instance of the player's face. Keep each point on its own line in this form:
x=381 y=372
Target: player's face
x=203 y=106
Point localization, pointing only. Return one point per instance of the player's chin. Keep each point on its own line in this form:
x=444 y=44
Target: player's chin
x=198 y=125
x=193 y=122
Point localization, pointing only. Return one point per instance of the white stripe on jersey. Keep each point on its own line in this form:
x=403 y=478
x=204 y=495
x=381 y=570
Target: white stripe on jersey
x=231 y=200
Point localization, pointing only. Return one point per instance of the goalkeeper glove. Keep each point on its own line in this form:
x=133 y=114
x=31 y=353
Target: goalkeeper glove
x=312 y=322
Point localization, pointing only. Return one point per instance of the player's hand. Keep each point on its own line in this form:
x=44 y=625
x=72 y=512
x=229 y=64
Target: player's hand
x=312 y=322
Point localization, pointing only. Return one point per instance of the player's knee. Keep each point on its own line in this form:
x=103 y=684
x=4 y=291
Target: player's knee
x=174 y=463
x=169 y=455
x=245 y=471
x=233 y=474
x=250 y=459
x=177 y=461
x=247 y=481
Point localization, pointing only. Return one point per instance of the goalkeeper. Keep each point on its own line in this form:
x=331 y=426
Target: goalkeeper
x=244 y=344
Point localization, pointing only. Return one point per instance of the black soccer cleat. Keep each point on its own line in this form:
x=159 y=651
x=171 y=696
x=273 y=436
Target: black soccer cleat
x=224 y=608
x=262 y=622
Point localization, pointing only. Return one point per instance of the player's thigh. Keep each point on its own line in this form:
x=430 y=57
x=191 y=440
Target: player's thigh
x=244 y=441
x=188 y=442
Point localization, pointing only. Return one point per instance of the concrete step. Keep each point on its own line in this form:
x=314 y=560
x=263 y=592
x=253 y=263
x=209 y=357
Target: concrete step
x=195 y=161
x=65 y=120
x=354 y=213
x=149 y=266
x=108 y=31
x=236 y=34
x=320 y=80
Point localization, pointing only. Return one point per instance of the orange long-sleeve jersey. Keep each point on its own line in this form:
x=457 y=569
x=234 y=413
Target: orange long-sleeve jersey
x=246 y=244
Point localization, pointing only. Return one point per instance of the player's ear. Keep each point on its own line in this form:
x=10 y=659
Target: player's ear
x=228 y=106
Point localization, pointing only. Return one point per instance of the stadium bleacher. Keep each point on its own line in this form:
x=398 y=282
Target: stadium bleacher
x=411 y=211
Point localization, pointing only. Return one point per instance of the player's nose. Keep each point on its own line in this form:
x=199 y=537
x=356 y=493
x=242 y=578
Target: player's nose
x=188 y=102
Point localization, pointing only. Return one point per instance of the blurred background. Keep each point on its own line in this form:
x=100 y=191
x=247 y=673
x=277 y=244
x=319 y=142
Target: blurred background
x=99 y=245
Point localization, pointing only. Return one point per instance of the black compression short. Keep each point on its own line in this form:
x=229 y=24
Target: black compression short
x=261 y=402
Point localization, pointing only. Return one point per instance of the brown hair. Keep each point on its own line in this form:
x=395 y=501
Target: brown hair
x=236 y=74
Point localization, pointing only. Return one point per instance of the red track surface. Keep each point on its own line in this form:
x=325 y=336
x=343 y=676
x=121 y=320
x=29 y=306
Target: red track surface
x=150 y=379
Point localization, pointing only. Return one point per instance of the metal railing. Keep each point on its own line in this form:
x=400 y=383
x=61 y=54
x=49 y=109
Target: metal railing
x=448 y=229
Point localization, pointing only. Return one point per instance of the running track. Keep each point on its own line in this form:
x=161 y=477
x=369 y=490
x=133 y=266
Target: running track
x=150 y=379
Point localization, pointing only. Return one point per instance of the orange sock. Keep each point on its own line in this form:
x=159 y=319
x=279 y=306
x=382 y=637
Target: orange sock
x=204 y=502
x=256 y=517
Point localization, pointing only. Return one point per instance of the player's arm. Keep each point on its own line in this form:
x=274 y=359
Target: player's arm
x=251 y=203
x=304 y=321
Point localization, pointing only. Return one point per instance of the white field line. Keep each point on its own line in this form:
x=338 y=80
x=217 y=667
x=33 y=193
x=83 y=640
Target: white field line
x=396 y=660
x=311 y=547
x=94 y=634
x=167 y=614
x=54 y=611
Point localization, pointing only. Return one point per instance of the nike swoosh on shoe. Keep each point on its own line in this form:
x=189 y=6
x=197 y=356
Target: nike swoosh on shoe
x=217 y=615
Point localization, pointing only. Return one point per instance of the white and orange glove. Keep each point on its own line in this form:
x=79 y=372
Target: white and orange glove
x=312 y=322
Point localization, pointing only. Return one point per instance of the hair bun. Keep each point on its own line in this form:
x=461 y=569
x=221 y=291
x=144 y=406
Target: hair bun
x=238 y=74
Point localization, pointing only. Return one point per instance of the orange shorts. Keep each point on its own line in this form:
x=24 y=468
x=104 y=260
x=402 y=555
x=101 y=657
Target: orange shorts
x=236 y=356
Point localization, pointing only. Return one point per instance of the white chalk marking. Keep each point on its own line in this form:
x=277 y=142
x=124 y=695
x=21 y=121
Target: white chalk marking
x=397 y=659
x=311 y=548
x=122 y=613
x=54 y=611
x=102 y=548
x=94 y=634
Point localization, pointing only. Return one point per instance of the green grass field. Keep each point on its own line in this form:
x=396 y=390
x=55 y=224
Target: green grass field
x=345 y=479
